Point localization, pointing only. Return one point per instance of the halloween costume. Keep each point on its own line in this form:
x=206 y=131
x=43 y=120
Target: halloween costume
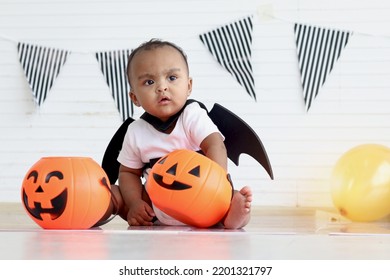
x=239 y=138
x=145 y=140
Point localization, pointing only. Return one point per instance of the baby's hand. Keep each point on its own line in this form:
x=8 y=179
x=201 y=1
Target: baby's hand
x=140 y=214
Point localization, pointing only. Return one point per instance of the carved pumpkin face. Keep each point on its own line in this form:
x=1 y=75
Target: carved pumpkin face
x=190 y=188
x=66 y=192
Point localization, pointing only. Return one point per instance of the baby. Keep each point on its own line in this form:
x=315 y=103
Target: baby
x=159 y=81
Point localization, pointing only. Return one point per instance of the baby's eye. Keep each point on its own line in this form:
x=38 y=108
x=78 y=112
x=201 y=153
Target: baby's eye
x=172 y=78
x=149 y=82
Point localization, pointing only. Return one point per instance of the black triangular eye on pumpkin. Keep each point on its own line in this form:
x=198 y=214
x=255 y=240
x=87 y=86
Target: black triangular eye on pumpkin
x=172 y=169
x=195 y=171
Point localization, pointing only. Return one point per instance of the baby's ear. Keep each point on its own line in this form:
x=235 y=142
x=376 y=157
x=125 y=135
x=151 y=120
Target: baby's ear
x=189 y=86
x=133 y=98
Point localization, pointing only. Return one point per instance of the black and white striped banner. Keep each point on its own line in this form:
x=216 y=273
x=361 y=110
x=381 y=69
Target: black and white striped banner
x=318 y=50
x=41 y=66
x=231 y=45
x=113 y=65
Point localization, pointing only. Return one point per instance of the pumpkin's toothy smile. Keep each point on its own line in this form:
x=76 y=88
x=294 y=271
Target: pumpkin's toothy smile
x=59 y=204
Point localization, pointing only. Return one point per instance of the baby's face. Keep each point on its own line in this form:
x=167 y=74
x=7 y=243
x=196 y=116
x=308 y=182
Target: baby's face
x=160 y=81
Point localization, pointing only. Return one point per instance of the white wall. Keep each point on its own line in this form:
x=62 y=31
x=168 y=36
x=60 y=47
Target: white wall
x=79 y=115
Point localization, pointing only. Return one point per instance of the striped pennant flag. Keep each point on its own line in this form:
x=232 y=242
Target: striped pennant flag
x=318 y=50
x=113 y=65
x=41 y=66
x=231 y=46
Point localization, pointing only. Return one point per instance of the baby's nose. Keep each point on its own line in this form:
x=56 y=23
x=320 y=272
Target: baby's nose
x=162 y=87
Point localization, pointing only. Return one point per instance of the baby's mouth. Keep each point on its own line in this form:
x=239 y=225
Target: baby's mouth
x=164 y=100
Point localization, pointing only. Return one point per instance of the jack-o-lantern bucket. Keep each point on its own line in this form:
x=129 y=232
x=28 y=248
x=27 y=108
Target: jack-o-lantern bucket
x=66 y=192
x=190 y=188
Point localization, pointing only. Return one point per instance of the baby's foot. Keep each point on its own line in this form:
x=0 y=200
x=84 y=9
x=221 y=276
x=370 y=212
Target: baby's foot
x=239 y=212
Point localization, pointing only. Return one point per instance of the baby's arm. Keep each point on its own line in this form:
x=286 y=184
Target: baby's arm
x=130 y=185
x=214 y=148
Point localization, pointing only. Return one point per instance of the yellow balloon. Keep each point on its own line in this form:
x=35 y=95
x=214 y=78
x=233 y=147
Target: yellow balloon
x=360 y=183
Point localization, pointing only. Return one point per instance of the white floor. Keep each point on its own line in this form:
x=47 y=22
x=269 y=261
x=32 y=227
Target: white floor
x=273 y=234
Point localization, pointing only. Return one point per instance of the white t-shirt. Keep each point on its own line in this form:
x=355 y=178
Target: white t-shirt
x=143 y=142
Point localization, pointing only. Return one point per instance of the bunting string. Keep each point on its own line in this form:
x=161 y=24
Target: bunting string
x=318 y=50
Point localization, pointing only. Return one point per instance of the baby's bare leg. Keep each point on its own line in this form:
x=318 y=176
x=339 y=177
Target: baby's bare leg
x=116 y=205
x=238 y=214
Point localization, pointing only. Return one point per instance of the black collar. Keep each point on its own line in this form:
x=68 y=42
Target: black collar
x=161 y=125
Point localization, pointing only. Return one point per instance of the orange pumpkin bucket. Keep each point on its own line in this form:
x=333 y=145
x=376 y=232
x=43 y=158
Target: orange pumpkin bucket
x=190 y=188
x=66 y=192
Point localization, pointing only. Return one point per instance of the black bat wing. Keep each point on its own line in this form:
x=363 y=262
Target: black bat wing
x=239 y=137
x=109 y=162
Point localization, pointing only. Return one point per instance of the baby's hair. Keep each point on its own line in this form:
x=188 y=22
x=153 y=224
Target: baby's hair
x=151 y=45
